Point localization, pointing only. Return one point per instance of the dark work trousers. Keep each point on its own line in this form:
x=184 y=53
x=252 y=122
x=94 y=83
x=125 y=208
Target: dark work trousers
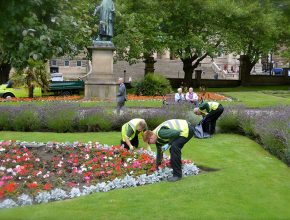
x=134 y=142
x=119 y=106
x=209 y=121
x=175 y=152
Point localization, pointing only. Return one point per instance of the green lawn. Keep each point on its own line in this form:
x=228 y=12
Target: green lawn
x=250 y=184
x=258 y=99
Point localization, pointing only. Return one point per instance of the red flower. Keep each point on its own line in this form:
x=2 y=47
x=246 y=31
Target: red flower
x=71 y=184
x=1 y=193
x=10 y=187
x=47 y=186
x=32 y=185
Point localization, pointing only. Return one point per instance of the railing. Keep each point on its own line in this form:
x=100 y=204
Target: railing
x=222 y=73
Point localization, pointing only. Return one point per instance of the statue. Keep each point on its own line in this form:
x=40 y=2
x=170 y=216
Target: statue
x=107 y=14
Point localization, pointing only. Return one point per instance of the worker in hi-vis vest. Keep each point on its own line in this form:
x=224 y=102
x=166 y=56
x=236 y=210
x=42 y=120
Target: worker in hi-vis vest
x=130 y=132
x=173 y=134
x=210 y=112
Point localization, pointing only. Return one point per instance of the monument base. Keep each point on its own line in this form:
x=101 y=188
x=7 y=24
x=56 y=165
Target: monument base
x=101 y=91
x=102 y=82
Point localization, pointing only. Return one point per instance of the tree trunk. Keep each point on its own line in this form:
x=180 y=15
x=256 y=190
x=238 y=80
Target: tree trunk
x=245 y=68
x=4 y=72
x=30 y=91
x=30 y=84
x=149 y=64
x=188 y=71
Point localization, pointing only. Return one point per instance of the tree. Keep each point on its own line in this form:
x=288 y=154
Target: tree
x=284 y=7
x=253 y=29
x=39 y=29
x=191 y=31
x=137 y=30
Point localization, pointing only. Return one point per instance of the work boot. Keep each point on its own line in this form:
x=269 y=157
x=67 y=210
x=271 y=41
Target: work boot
x=173 y=179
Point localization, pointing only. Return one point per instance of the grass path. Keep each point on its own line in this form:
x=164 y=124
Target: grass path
x=250 y=184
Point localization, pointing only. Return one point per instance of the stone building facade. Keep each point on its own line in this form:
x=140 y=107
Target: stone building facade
x=225 y=66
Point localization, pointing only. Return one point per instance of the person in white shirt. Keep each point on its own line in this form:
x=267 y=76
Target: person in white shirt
x=192 y=97
x=179 y=96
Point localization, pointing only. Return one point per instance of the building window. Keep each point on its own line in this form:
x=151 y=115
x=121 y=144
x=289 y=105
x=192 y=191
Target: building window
x=53 y=63
x=79 y=63
x=66 y=63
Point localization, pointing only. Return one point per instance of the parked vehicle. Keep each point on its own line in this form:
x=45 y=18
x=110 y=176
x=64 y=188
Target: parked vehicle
x=58 y=88
x=8 y=91
x=56 y=77
x=66 y=87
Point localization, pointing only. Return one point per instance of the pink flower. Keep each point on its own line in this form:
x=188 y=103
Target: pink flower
x=1 y=183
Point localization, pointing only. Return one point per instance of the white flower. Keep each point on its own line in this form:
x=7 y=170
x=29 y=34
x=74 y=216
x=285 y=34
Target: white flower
x=131 y=172
x=125 y=164
x=10 y=170
x=39 y=173
x=87 y=156
x=2 y=168
x=46 y=175
x=60 y=164
x=83 y=168
x=37 y=159
x=2 y=149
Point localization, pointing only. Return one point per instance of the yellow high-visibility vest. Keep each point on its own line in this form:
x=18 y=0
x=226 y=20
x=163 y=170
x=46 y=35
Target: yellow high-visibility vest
x=212 y=106
x=133 y=124
x=176 y=124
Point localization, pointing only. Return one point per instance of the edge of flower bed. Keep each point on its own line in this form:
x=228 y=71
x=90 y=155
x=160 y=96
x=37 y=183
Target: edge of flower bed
x=58 y=194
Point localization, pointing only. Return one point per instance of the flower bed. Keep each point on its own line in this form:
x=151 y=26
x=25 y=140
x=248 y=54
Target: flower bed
x=45 y=98
x=38 y=173
x=131 y=97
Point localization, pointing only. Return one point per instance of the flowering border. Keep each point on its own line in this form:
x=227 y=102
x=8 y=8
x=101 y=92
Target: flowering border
x=118 y=183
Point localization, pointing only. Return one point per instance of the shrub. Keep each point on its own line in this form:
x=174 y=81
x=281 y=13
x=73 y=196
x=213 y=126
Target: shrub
x=5 y=123
x=152 y=85
x=26 y=120
x=273 y=129
x=61 y=118
x=229 y=122
x=97 y=121
x=247 y=124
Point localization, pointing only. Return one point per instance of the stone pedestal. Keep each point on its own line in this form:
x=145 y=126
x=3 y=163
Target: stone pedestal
x=102 y=82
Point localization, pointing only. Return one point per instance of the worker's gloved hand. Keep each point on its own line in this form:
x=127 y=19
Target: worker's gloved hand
x=149 y=148
x=131 y=147
x=165 y=147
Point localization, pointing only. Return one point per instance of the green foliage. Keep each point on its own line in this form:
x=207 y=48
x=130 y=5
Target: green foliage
x=34 y=75
x=229 y=122
x=5 y=123
x=153 y=122
x=39 y=30
x=247 y=124
x=138 y=28
x=275 y=135
x=261 y=24
x=27 y=120
x=97 y=122
x=62 y=121
x=152 y=85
